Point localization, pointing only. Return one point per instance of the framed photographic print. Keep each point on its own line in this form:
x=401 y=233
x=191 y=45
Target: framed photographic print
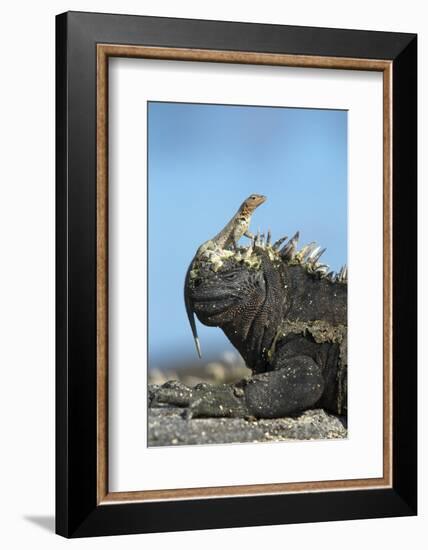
x=236 y=274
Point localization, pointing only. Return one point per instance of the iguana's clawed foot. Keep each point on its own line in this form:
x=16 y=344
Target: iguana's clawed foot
x=171 y=393
x=204 y=400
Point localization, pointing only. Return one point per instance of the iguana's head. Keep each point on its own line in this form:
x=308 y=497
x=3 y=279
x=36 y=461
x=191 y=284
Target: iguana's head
x=221 y=294
x=241 y=293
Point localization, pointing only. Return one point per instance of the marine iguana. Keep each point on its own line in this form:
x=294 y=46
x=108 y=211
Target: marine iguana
x=287 y=316
x=228 y=237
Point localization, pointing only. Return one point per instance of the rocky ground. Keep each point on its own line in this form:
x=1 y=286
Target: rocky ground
x=167 y=426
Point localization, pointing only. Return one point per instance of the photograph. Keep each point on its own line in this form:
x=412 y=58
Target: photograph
x=236 y=260
x=247 y=273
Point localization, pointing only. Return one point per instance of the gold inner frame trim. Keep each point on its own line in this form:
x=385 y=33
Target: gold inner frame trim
x=104 y=51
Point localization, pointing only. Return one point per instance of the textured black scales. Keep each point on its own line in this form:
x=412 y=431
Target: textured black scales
x=247 y=303
x=289 y=323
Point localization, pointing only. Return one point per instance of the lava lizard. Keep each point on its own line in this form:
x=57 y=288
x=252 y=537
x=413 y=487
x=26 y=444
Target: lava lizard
x=228 y=237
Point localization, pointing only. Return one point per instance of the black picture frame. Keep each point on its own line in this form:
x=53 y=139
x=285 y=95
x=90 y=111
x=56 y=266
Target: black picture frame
x=78 y=513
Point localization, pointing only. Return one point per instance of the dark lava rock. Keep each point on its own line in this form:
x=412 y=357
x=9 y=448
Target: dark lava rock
x=167 y=426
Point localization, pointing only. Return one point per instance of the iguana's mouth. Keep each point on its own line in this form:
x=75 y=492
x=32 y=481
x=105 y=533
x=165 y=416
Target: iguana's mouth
x=213 y=305
x=210 y=316
x=208 y=293
x=209 y=311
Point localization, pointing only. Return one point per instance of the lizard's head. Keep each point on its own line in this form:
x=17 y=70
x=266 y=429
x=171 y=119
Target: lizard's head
x=221 y=296
x=253 y=201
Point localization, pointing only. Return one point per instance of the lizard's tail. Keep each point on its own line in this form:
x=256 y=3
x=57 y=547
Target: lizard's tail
x=190 y=313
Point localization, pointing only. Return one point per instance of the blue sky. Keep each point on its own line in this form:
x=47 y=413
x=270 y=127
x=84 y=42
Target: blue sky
x=203 y=161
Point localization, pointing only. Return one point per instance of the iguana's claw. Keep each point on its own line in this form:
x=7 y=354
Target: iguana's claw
x=172 y=393
x=204 y=400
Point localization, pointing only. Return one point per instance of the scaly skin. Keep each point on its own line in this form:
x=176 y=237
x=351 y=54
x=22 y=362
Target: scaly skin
x=286 y=315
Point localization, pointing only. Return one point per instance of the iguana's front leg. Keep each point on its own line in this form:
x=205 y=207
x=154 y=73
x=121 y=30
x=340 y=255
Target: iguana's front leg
x=296 y=385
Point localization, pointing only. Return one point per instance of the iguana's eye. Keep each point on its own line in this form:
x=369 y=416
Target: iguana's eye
x=230 y=276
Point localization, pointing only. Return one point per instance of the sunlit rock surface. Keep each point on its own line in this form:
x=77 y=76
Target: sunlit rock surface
x=167 y=426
